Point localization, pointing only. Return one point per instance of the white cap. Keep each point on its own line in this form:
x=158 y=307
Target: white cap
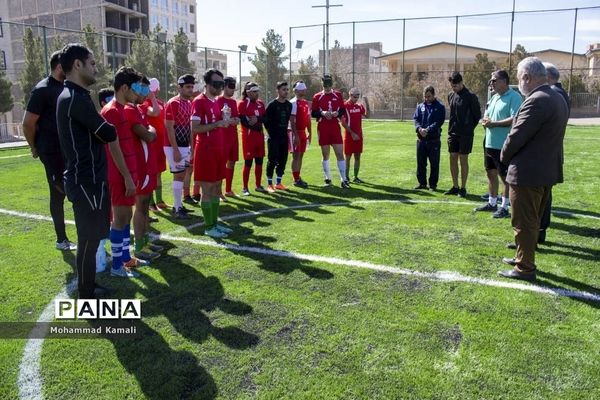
x=154 y=84
x=300 y=86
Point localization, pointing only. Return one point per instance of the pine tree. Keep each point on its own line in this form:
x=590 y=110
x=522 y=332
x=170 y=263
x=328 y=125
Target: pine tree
x=138 y=58
x=269 y=63
x=93 y=41
x=158 y=54
x=34 y=64
x=6 y=98
x=478 y=75
x=181 y=50
x=308 y=71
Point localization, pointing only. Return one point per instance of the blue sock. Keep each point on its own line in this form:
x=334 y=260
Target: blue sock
x=279 y=179
x=126 y=232
x=116 y=246
x=269 y=180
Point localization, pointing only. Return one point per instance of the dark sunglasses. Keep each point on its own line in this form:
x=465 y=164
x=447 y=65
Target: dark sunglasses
x=231 y=85
x=217 y=84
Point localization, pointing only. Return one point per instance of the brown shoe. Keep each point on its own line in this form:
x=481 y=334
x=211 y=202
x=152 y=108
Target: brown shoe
x=514 y=274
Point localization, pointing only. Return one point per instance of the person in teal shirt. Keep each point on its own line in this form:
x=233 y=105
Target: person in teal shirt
x=497 y=121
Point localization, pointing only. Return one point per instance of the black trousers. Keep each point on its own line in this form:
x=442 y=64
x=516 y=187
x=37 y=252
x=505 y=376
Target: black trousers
x=278 y=155
x=545 y=221
x=54 y=166
x=428 y=150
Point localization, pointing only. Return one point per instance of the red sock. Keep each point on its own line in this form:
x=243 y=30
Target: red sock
x=296 y=175
x=228 y=179
x=258 y=175
x=246 y=176
x=186 y=191
x=196 y=189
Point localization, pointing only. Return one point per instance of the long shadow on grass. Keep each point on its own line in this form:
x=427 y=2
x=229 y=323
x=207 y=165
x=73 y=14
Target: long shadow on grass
x=575 y=211
x=184 y=299
x=576 y=230
x=583 y=253
x=552 y=281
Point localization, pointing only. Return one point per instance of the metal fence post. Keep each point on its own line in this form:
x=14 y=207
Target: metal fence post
x=46 y=50
x=290 y=74
x=167 y=83
x=114 y=53
x=572 y=53
x=456 y=45
x=240 y=71
x=354 y=53
x=402 y=73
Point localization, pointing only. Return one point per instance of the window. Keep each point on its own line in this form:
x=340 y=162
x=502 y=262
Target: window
x=175 y=7
x=215 y=64
x=166 y=22
x=192 y=9
x=2 y=60
x=154 y=20
x=154 y=3
x=192 y=28
x=186 y=29
x=165 y=4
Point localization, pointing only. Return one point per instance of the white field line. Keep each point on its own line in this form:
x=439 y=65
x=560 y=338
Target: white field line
x=30 y=380
x=15 y=156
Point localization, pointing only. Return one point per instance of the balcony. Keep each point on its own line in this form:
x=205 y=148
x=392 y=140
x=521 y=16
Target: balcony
x=131 y=7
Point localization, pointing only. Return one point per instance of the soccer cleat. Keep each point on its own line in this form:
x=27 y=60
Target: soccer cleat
x=155 y=247
x=501 y=213
x=280 y=186
x=345 y=185
x=270 y=189
x=66 y=245
x=222 y=198
x=453 y=191
x=224 y=228
x=187 y=210
x=181 y=214
x=152 y=219
x=153 y=208
x=327 y=182
x=420 y=187
x=197 y=198
x=462 y=192
x=215 y=233
x=190 y=200
x=162 y=205
x=245 y=192
x=486 y=207
x=301 y=184
x=124 y=272
x=146 y=254
x=231 y=194
x=260 y=189
x=136 y=263
x=357 y=180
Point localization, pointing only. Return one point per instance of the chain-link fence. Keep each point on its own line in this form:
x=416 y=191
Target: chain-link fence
x=391 y=61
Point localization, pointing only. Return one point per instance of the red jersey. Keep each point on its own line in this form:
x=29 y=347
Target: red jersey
x=208 y=111
x=157 y=122
x=302 y=112
x=353 y=113
x=179 y=110
x=145 y=152
x=232 y=104
x=114 y=113
x=249 y=108
x=323 y=102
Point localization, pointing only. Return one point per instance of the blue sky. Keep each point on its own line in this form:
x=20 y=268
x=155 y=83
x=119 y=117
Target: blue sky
x=245 y=22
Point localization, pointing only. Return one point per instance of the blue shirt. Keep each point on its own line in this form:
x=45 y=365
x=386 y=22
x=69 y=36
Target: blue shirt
x=501 y=107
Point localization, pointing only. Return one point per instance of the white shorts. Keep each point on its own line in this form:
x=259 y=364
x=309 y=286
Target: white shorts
x=185 y=159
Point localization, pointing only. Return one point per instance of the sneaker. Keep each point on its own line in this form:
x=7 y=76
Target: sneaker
x=509 y=261
x=152 y=219
x=260 y=189
x=124 y=272
x=419 y=187
x=453 y=191
x=66 y=245
x=270 y=189
x=433 y=188
x=190 y=200
x=245 y=192
x=231 y=194
x=224 y=228
x=155 y=247
x=136 y=263
x=197 y=198
x=222 y=198
x=511 y=246
x=345 y=185
x=280 y=186
x=180 y=214
x=357 y=180
x=462 y=192
x=327 y=182
x=501 y=213
x=486 y=207
x=146 y=254
x=301 y=184
x=153 y=208
x=187 y=210
x=162 y=205
x=215 y=233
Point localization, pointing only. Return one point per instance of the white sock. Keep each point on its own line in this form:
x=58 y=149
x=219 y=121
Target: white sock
x=505 y=202
x=492 y=200
x=326 y=169
x=342 y=169
x=177 y=194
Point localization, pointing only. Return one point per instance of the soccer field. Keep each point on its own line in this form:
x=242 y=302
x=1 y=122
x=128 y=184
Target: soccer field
x=378 y=292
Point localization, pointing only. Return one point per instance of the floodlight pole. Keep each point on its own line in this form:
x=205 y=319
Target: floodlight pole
x=572 y=53
x=290 y=79
x=326 y=55
x=510 y=50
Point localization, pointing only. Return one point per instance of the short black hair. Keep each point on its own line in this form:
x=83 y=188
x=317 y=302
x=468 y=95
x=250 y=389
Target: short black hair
x=502 y=74
x=281 y=84
x=186 y=80
x=429 y=89
x=455 y=78
x=145 y=80
x=229 y=79
x=72 y=52
x=208 y=75
x=104 y=94
x=54 y=60
x=126 y=76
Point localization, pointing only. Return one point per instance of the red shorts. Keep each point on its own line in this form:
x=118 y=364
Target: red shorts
x=116 y=188
x=232 y=147
x=146 y=184
x=301 y=148
x=329 y=137
x=161 y=159
x=253 y=145
x=209 y=161
x=352 y=146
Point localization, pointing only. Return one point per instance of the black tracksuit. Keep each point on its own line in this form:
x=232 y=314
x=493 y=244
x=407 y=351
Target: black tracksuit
x=276 y=120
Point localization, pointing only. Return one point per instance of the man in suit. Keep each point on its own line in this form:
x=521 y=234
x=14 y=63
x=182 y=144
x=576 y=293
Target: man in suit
x=533 y=153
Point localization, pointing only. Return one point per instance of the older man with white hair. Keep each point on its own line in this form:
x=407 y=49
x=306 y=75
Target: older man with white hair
x=533 y=153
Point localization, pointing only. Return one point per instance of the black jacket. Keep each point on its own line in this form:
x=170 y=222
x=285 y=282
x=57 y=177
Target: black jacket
x=465 y=113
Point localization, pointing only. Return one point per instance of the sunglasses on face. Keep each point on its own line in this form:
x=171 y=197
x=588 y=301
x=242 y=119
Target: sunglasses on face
x=231 y=85
x=356 y=96
x=140 y=89
x=217 y=84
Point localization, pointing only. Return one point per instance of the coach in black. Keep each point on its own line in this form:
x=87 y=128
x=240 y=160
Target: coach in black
x=39 y=127
x=82 y=133
x=276 y=120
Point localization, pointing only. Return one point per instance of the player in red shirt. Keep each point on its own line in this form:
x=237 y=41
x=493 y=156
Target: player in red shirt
x=353 y=137
x=178 y=113
x=327 y=108
x=301 y=119
x=122 y=183
x=251 y=111
x=230 y=137
x=208 y=123
x=154 y=110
